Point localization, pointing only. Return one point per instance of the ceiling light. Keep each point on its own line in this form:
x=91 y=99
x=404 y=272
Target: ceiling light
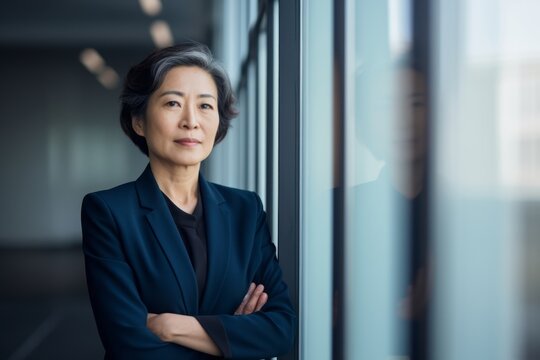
x=161 y=34
x=108 y=78
x=91 y=59
x=151 y=7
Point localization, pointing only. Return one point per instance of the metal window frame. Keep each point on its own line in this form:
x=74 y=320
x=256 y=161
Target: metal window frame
x=339 y=170
x=288 y=135
x=289 y=150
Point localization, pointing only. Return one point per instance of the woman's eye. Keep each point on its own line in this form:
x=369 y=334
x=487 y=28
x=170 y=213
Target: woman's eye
x=172 y=103
x=207 y=107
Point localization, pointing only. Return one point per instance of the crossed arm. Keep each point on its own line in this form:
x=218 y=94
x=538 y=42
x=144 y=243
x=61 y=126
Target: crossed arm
x=128 y=331
x=187 y=331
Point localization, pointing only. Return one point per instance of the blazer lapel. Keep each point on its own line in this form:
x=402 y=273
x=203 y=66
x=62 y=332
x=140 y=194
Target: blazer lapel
x=166 y=232
x=217 y=219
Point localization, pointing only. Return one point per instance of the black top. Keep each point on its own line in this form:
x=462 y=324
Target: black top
x=192 y=229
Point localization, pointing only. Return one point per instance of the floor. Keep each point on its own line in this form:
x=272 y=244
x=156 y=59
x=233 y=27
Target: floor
x=44 y=308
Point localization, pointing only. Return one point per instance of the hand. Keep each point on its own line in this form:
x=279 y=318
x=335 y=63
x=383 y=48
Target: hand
x=183 y=330
x=253 y=301
x=412 y=306
x=160 y=325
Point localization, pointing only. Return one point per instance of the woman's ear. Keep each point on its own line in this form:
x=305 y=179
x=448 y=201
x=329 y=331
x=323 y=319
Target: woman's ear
x=137 y=123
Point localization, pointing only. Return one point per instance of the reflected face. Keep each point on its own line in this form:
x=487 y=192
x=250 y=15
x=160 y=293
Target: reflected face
x=392 y=115
x=181 y=119
x=408 y=131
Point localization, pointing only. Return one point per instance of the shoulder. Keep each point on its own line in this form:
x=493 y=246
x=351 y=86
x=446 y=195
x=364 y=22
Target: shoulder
x=232 y=193
x=237 y=197
x=117 y=194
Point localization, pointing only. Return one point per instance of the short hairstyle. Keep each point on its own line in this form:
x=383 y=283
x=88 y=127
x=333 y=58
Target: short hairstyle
x=146 y=77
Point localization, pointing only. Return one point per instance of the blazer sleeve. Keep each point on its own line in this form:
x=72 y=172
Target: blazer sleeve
x=270 y=331
x=118 y=309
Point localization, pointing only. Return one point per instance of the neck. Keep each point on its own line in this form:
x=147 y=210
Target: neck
x=408 y=178
x=179 y=183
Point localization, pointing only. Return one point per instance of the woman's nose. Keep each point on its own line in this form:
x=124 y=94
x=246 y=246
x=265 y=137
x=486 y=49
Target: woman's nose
x=189 y=118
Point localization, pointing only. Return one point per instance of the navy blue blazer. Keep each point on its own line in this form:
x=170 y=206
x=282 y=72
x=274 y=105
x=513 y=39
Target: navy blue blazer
x=136 y=264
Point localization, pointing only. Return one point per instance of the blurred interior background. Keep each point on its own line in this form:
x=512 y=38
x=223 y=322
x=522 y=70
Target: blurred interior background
x=61 y=67
x=395 y=145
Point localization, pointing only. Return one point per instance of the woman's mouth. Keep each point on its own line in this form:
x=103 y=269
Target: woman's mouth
x=188 y=141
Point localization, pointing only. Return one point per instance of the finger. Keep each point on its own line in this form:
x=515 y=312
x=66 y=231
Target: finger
x=261 y=302
x=246 y=298
x=252 y=302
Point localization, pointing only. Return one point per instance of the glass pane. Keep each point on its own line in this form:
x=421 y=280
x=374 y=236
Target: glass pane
x=486 y=176
x=316 y=181
x=228 y=163
x=386 y=245
x=262 y=98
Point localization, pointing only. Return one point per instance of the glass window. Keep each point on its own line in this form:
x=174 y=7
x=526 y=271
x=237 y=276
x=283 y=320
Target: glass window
x=386 y=118
x=316 y=181
x=485 y=180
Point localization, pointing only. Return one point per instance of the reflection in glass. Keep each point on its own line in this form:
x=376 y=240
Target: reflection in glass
x=388 y=271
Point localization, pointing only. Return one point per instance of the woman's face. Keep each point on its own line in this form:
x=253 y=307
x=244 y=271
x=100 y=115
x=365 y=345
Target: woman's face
x=182 y=118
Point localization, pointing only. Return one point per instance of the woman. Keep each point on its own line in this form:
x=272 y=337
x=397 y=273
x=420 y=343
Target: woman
x=178 y=267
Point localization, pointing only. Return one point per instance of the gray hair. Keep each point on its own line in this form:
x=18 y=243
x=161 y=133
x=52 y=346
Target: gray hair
x=147 y=76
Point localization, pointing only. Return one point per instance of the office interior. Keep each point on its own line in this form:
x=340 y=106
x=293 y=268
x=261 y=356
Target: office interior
x=395 y=145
